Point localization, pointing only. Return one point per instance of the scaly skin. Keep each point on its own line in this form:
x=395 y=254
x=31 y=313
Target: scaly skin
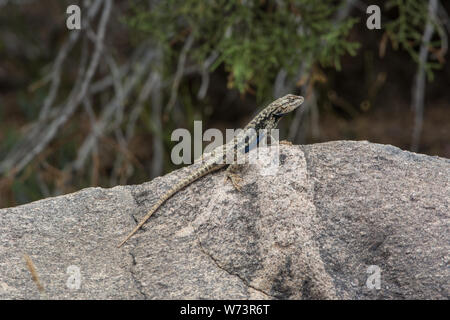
x=242 y=143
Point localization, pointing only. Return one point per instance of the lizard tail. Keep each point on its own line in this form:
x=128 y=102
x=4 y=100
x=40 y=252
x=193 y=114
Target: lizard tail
x=155 y=207
x=147 y=216
x=180 y=185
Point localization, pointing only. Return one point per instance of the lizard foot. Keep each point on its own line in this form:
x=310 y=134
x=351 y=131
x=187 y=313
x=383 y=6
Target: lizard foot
x=288 y=143
x=235 y=180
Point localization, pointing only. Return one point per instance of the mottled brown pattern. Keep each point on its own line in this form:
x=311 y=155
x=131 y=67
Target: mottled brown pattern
x=266 y=119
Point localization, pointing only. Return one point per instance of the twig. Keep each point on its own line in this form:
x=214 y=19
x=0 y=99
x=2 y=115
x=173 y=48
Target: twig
x=92 y=119
x=158 y=149
x=139 y=106
x=41 y=133
x=205 y=74
x=55 y=74
x=279 y=87
x=180 y=71
x=34 y=274
x=444 y=15
x=294 y=129
x=418 y=94
x=118 y=87
x=108 y=111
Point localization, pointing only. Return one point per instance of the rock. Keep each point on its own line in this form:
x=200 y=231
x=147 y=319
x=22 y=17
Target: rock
x=331 y=221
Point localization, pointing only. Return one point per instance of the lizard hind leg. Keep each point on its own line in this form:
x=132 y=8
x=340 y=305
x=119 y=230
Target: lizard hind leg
x=231 y=174
x=285 y=142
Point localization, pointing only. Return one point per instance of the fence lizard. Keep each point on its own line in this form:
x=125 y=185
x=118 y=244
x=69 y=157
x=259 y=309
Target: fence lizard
x=243 y=142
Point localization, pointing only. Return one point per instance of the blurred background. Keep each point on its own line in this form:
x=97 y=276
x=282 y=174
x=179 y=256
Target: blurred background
x=97 y=106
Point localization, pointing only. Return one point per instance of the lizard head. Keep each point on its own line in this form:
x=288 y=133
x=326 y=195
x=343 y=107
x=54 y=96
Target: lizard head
x=286 y=104
x=269 y=117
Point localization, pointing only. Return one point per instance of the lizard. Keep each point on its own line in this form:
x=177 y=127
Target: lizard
x=242 y=143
